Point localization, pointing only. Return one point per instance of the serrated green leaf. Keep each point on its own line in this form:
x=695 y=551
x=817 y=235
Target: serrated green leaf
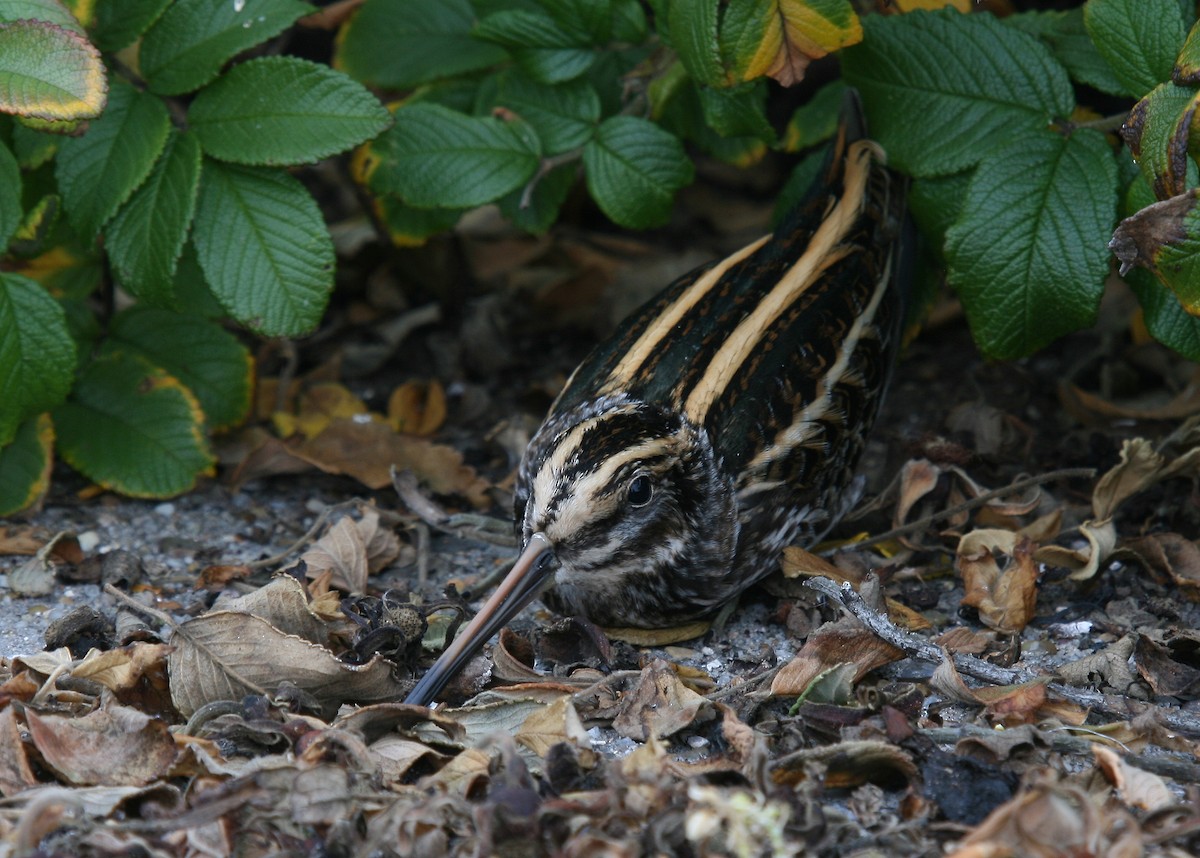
x=119 y=24
x=547 y=52
x=1187 y=64
x=634 y=169
x=628 y=21
x=410 y=227
x=693 y=28
x=10 y=196
x=936 y=203
x=403 y=43
x=191 y=291
x=779 y=38
x=25 y=465
x=1166 y=319
x=1067 y=37
x=98 y=171
x=1157 y=132
x=537 y=210
x=204 y=356
x=66 y=272
x=564 y=116
x=941 y=88
x=437 y=158
x=279 y=111
x=1028 y=252
x=33 y=148
x=1139 y=38
x=49 y=72
x=146 y=236
x=49 y=11
x=816 y=121
x=132 y=428
x=739 y=111
x=263 y=247
x=193 y=39
x=37 y=355
x=36 y=227
x=1164 y=238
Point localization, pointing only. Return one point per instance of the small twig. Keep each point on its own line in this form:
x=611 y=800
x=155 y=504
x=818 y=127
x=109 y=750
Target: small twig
x=919 y=647
x=1105 y=123
x=544 y=168
x=973 y=503
x=748 y=686
x=160 y=617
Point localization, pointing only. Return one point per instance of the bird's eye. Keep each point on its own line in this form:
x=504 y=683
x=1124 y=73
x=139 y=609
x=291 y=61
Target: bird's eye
x=640 y=490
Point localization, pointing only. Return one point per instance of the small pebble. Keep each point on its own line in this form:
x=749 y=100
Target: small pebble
x=88 y=540
x=166 y=510
x=697 y=742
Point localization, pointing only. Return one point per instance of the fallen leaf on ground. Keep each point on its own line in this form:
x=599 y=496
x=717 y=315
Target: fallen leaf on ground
x=659 y=705
x=417 y=408
x=845 y=642
x=115 y=746
x=999 y=578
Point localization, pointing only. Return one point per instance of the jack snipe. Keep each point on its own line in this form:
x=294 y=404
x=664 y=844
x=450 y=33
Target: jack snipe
x=719 y=424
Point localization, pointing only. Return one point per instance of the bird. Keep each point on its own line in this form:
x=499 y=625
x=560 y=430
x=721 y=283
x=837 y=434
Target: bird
x=721 y=422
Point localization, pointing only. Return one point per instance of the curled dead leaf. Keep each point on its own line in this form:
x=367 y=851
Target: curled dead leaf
x=116 y=746
x=1005 y=593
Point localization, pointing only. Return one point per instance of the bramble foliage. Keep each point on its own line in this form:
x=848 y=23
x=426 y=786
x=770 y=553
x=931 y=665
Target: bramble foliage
x=148 y=148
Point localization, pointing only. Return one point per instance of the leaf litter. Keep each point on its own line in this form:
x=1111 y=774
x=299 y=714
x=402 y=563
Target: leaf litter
x=1000 y=661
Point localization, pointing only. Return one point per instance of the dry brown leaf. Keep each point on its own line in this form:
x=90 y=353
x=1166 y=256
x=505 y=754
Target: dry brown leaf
x=1006 y=597
x=397 y=756
x=845 y=642
x=121 y=669
x=462 y=773
x=342 y=552
x=1170 y=557
x=1167 y=669
x=368 y=451
x=283 y=604
x=115 y=746
x=1109 y=666
x=1137 y=787
x=16 y=773
x=546 y=726
x=659 y=637
x=1091 y=408
x=659 y=705
x=1050 y=820
x=319 y=406
x=226 y=655
x=417 y=408
x=849 y=764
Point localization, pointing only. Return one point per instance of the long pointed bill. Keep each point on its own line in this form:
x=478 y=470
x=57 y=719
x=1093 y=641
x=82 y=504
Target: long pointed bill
x=516 y=591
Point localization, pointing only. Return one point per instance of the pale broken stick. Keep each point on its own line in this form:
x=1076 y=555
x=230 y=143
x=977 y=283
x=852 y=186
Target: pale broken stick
x=919 y=647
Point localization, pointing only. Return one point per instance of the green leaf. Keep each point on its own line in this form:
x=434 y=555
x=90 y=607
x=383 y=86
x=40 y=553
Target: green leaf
x=816 y=121
x=437 y=158
x=277 y=111
x=590 y=21
x=408 y=226
x=739 y=111
x=540 y=46
x=537 y=211
x=37 y=355
x=119 y=24
x=65 y=271
x=1166 y=319
x=36 y=227
x=25 y=465
x=634 y=169
x=1187 y=64
x=193 y=39
x=941 y=88
x=1028 y=252
x=49 y=72
x=564 y=116
x=628 y=21
x=1067 y=37
x=1139 y=38
x=204 y=356
x=132 y=428
x=33 y=148
x=693 y=28
x=98 y=171
x=48 y=11
x=191 y=291
x=779 y=38
x=10 y=196
x=402 y=43
x=936 y=203
x=1157 y=132
x=146 y=236
x=264 y=248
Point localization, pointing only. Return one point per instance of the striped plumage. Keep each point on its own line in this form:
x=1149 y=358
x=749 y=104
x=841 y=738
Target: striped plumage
x=721 y=422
